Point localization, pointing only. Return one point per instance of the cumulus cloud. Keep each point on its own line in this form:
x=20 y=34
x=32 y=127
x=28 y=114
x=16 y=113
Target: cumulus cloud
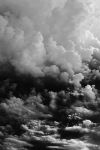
x=43 y=37
x=49 y=43
x=88 y=91
x=77 y=78
x=83 y=111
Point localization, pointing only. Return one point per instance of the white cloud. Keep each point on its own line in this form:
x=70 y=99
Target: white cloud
x=42 y=36
x=88 y=91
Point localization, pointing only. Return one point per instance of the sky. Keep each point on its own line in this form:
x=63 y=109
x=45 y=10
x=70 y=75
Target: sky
x=55 y=38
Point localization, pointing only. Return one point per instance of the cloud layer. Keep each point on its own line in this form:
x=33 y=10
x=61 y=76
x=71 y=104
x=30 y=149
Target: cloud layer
x=48 y=37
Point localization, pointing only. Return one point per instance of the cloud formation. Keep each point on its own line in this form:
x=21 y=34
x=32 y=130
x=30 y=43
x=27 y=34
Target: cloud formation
x=47 y=37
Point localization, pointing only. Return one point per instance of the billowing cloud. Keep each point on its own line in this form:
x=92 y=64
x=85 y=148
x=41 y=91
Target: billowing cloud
x=88 y=91
x=50 y=57
x=44 y=37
